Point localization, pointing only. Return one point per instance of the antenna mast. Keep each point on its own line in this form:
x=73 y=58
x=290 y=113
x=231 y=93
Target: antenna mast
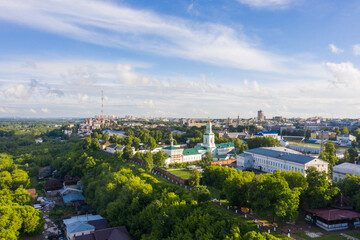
x=102 y=106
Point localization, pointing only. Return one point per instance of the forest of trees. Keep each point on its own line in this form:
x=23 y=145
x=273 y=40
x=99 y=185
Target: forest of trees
x=276 y=196
x=17 y=216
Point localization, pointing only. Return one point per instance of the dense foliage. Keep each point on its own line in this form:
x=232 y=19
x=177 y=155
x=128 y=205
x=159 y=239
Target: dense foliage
x=276 y=196
x=262 y=142
x=16 y=215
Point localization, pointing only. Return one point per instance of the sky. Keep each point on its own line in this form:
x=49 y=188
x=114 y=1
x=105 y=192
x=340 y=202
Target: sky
x=186 y=58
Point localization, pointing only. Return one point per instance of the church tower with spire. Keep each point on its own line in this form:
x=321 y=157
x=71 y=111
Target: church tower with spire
x=209 y=138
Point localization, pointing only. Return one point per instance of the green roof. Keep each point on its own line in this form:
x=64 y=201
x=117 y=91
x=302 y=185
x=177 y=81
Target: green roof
x=200 y=148
x=171 y=148
x=190 y=151
x=225 y=145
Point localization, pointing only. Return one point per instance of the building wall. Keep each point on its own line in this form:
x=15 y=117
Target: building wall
x=337 y=176
x=191 y=158
x=319 y=164
x=269 y=164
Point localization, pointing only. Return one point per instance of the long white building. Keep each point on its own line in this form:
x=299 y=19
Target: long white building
x=277 y=158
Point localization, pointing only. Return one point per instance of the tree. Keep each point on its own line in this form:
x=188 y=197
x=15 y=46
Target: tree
x=320 y=191
x=118 y=155
x=159 y=158
x=350 y=187
x=207 y=159
x=136 y=143
x=273 y=198
x=329 y=154
x=129 y=132
x=201 y=193
x=194 y=180
x=262 y=142
x=149 y=163
x=6 y=162
x=105 y=137
x=353 y=154
x=127 y=152
x=344 y=130
x=236 y=188
x=20 y=178
x=5 y=180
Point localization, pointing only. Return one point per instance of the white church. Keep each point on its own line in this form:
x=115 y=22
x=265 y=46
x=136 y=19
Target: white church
x=180 y=155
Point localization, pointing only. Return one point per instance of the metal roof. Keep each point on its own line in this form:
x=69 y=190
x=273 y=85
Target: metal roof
x=73 y=197
x=282 y=155
x=80 y=227
x=347 y=168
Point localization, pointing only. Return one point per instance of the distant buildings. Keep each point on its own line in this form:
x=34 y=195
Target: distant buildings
x=260 y=116
x=278 y=158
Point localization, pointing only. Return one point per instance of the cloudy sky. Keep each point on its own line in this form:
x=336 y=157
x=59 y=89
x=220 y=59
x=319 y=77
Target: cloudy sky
x=188 y=58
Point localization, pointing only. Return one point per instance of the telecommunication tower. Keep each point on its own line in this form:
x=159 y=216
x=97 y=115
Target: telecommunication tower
x=102 y=106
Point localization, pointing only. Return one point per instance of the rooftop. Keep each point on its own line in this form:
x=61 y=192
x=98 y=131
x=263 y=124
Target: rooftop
x=333 y=214
x=225 y=145
x=347 y=168
x=190 y=151
x=283 y=155
x=73 y=197
x=171 y=148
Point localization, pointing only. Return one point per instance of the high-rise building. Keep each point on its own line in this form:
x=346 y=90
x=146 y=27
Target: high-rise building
x=261 y=116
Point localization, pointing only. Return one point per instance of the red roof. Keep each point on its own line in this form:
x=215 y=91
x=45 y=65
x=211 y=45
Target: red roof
x=332 y=214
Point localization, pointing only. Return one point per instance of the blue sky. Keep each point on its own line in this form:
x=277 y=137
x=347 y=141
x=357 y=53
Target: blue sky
x=193 y=58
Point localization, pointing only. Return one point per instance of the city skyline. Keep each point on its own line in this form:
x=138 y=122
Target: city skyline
x=179 y=59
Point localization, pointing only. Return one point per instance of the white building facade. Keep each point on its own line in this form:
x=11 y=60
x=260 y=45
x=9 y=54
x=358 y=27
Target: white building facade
x=272 y=159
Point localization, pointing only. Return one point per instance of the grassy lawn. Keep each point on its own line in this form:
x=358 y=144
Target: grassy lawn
x=323 y=237
x=312 y=145
x=183 y=173
x=354 y=234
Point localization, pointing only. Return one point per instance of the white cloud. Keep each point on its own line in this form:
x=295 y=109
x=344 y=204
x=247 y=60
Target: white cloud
x=45 y=110
x=335 y=49
x=105 y=23
x=19 y=91
x=344 y=74
x=267 y=3
x=356 y=49
x=127 y=75
x=33 y=110
x=149 y=103
x=83 y=97
x=3 y=110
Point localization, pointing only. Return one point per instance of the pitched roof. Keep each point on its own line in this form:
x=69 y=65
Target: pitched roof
x=225 y=145
x=62 y=191
x=81 y=218
x=73 y=197
x=287 y=156
x=190 y=151
x=333 y=214
x=347 y=168
x=99 y=223
x=80 y=227
x=171 y=148
x=115 y=233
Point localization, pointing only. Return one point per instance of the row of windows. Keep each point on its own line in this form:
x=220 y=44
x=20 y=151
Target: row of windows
x=271 y=164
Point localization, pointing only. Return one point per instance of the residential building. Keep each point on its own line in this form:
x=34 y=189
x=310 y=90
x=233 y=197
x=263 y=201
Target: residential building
x=272 y=134
x=345 y=139
x=340 y=171
x=279 y=158
x=111 y=148
x=260 y=116
x=81 y=225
